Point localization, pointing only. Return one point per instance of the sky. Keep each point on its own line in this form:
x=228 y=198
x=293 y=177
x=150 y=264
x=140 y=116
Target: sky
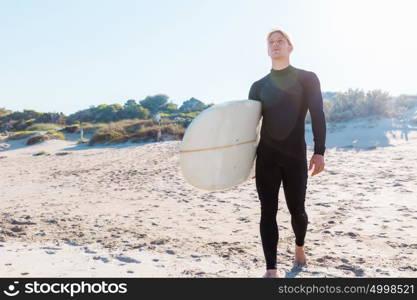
x=64 y=56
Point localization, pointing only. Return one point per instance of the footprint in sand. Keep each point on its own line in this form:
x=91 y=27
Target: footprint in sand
x=126 y=259
x=357 y=271
x=103 y=259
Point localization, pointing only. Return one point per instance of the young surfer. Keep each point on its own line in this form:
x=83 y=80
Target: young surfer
x=286 y=93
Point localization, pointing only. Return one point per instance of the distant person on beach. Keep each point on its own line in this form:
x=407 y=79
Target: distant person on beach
x=286 y=93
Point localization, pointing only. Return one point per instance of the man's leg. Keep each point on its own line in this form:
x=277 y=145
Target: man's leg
x=268 y=180
x=294 y=178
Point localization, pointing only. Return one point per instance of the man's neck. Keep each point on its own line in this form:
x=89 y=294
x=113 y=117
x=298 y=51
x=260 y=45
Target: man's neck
x=280 y=64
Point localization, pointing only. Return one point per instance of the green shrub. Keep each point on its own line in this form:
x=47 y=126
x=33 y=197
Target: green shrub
x=42 y=153
x=49 y=135
x=63 y=153
x=37 y=139
x=192 y=114
x=72 y=129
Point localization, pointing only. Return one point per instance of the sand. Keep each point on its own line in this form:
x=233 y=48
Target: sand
x=126 y=211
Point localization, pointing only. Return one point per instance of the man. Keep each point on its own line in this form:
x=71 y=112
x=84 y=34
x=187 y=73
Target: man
x=286 y=93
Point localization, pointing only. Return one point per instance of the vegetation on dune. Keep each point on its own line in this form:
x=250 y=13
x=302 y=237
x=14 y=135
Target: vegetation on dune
x=135 y=120
x=18 y=121
x=44 y=127
x=54 y=134
x=97 y=117
x=170 y=131
x=49 y=135
x=139 y=131
x=356 y=103
x=62 y=153
x=41 y=153
x=113 y=133
x=18 y=135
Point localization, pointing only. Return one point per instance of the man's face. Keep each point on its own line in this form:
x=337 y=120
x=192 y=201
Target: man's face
x=278 y=46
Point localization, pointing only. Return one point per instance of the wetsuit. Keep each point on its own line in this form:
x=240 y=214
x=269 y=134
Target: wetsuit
x=286 y=95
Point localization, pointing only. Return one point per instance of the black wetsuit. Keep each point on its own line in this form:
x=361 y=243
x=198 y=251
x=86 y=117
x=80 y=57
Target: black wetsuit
x=286 y=95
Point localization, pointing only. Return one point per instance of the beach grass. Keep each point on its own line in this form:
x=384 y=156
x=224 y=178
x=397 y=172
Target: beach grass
x=18 y=135
x=137 y=131
x=44 y=127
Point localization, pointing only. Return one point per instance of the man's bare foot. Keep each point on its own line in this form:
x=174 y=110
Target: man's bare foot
x=271 y=273
x=300 y=256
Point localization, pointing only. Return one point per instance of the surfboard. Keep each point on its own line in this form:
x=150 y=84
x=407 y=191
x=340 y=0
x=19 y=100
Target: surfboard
x=218 y=149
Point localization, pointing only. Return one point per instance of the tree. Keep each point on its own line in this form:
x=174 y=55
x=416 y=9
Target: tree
x=192 y=104
x=107 y=113
x=134 y=112
x=170 y=108
x=154 y=103
x=130 y=102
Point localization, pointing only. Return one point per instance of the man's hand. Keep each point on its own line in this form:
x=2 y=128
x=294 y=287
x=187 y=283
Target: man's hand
x=318 y=161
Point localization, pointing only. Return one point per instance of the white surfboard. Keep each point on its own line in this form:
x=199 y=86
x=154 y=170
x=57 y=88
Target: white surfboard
x=219 y=146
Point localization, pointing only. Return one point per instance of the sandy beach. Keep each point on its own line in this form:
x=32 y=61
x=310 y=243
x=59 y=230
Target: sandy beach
x=126 y=211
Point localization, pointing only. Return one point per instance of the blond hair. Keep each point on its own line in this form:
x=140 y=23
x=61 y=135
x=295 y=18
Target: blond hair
x=286 y=35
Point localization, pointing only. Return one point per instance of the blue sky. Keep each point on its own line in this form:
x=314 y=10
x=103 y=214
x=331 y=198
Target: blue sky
x=63 y=56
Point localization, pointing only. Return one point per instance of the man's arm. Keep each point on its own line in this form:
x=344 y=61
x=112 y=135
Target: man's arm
x=253 y=92
x=253 y=95
x=315 y=106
